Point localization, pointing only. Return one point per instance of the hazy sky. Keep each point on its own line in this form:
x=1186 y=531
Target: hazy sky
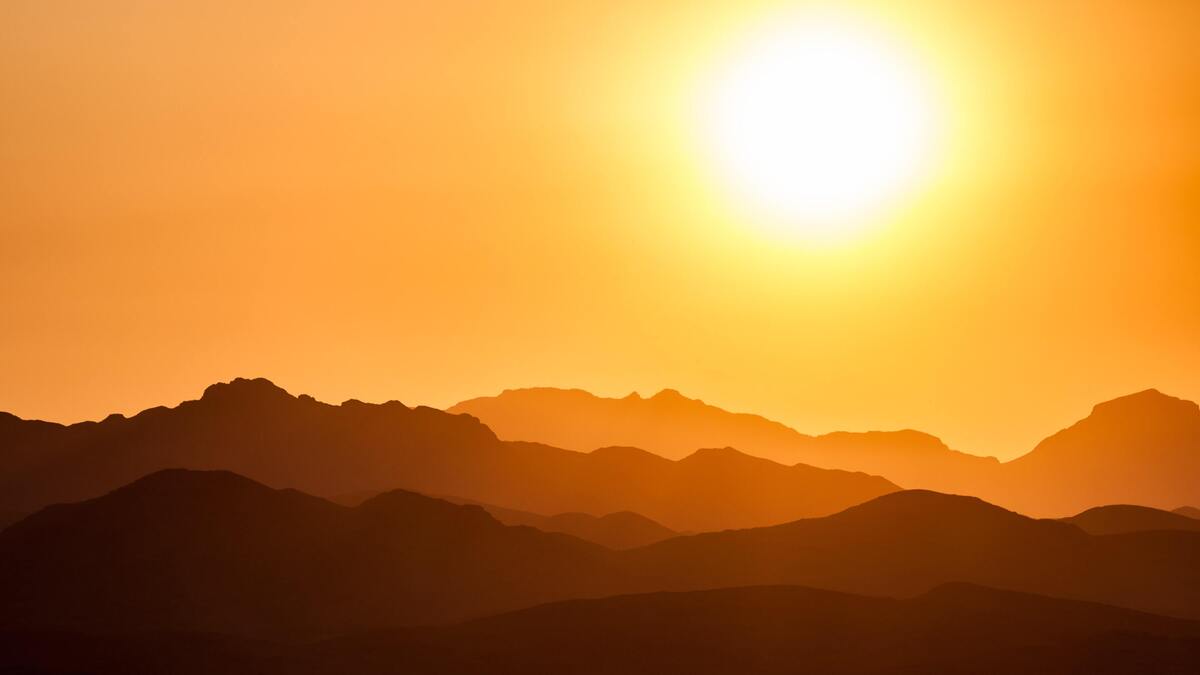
x=434 y=201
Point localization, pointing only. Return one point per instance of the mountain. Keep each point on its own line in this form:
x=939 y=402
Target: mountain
x=908 y=542
x=620 y=530
x=1122 y=518
x=258 y=430
x=1189 y=511
x=1139 y=449
x=954 y=629
x=215 y=552
x=673 y=426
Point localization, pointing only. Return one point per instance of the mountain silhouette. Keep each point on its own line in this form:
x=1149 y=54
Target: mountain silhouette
x=1122 y=518
x=908 y=542
x=1189 y=511
x=1140 y=449
x=212 y=551
x=620 y=530
x=673 y=426
x=215 y=552
x=1137 y=449
x=258 y=430
x=772 y=630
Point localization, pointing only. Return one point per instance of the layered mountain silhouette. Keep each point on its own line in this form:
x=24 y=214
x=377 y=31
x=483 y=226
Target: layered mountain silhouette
x=620 y=530
x=258 y=430
x=1122 y=518
x=215 y=552
x=1189 y=511
x=1139 y=449
x=953 y=629
x=673 y=425
x=908 y=542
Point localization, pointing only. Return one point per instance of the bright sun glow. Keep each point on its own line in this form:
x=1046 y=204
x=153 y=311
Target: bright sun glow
x=820 y=122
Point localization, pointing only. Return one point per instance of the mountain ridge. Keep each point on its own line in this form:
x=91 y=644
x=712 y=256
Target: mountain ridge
x=257 y=429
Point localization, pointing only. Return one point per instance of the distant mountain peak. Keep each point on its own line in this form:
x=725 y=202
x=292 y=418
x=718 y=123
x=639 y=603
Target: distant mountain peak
x=719 y=454
x=1149 y=401
x=241 y=388
x=672 y=395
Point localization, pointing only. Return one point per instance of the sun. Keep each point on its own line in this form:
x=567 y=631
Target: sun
x=820 y=123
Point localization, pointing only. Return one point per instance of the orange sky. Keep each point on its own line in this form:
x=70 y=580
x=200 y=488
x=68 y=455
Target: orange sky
x=433 y=201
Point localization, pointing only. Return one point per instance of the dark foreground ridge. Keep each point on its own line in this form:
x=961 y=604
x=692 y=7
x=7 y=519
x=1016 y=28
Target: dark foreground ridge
x=954 y=629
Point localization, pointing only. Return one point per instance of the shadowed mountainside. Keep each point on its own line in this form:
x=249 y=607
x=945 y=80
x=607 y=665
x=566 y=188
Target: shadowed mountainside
x=672 y=425
x=953 y=629
x=1122 y=518
x=255 y=429
x=1189 y=511
x=1143 y=448
x=212 y=551
x=620 y=530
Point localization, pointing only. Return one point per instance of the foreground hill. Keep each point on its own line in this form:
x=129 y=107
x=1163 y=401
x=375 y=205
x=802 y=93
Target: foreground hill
x=673 y=426
x=258 y=430
x=1138 y=449
x=212 y=551
x=953 y=629
x=1189 y=511
x=1122 y=518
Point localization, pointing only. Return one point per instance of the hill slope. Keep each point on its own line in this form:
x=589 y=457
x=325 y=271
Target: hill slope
x=1122 y=518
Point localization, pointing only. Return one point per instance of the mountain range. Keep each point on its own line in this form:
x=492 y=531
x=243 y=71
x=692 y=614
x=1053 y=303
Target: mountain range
x=258 y=430
x=1138 y=449
x=216 y=552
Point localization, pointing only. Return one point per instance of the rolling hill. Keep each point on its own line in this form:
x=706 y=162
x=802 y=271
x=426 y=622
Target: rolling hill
x=1122 y=518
